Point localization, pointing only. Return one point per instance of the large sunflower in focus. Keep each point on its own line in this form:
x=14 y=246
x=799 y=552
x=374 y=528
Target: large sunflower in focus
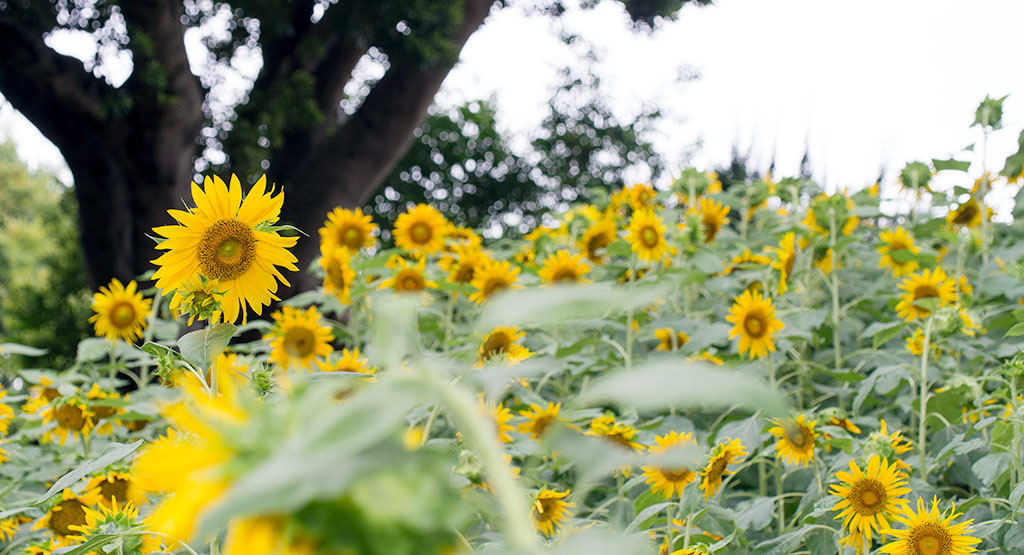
x=929 y=284
x=754 y=322
x=930 y=532
x=223 y=238
x=120 y=311
x=867 y=500
x=796 y=440
x=421 y=230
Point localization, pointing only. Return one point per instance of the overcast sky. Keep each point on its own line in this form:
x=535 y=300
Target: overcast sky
x=866 y=84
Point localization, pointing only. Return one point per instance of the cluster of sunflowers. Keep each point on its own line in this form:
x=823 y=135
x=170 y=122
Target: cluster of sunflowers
x=681 y=370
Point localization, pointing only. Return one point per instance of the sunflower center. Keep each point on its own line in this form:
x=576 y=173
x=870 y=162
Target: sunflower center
x=565 y=274
x=67 y=513
x=649 y=237
x=797 y=435
x=122 y=315
x=925 y=291
x=465 y=273
x=299 y=342
x=718 y=467
x=336 y=275
x=546 y=507
x=496 y=344
x=116 y=488
x=409 y=280
x=930 y=539
x=966 y=214
x=70 y=417
x=677 y=475
x=541 y=424
x=226 y=250
x=104 y=412
x=868 y=497
x=50 y=393
x=494 y=285
x=755 y=325
x=595 y=243
x=352 y=238
x=421 y=233
x=619 y=438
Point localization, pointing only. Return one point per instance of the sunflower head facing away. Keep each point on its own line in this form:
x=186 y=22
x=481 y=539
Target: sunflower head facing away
x=785 y=260
x=670 y=340
x=928 y=284
x=421 y=230
x=754 y=322
x=869 y=498
x=796 y=440
x=225 y=238
x=712 y=217
x=930 y=532
x=120 y=311
x=348 y=229
x=299 y=338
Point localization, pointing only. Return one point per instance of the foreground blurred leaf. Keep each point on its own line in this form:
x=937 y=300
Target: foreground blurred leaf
x=110 y=455
x=550 y=305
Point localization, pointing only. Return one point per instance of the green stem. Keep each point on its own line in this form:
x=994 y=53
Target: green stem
x=835 y=290
x=689 y=524
x=781 y=499
x=147 y=336
x=922 y=437
x=629 y=316
x=982 y=193
x=430 y=424
x=670 y=530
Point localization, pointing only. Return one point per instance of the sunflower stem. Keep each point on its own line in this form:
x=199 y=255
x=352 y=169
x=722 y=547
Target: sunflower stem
x=922 y=438
x=629 y=316
x=430 y=424
x=982 y=193
x=688 y=523
x=780 y=499
x=147 y=336
x=834 y=281
x=670 y=531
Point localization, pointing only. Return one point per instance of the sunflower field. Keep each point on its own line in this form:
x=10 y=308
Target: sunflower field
x=759 y=368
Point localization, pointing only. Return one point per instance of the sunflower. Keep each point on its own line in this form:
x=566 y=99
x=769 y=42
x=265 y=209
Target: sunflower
x=499 y=416
x=420 y=230
x=712 y=217
x=538 y=419
x=67 y=512
x=754 y=322
x=669 y=339
x=338 y=273
x=596 y=239
x=8 y=528
x=202 y=300
x=407 y=277
x=844 y=423
x=549 y=510
x=796 y=440
x=113 y=519
x=462 y=262
x=47 y=546
x=723 y=455
x=41 y=395
x=264 y=534
x=867 y=500
x=928 y=284
x=890 y=445
x=966 y=215
x=647 y=236
x=563 y=267
x=745 y=260
x=350 y=361
x=500 y=343
x=785 y=259
x=642 y=196
x=846 y=225
x=6 y=413
x=115 y=485
x=915 y=344
x=619 y=433
x=72 y=418
x=463 y=236
x=670 y=481
x=102 y=412
x=223 y=239
x=298 y=338
x=706 y=357
x=893 y=240
x=493 y=277
x=823 y=260
x=120 y=311
x=930 y=532
x=348 y=229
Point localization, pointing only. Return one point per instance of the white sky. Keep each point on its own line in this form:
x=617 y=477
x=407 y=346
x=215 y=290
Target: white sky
x=866 y=84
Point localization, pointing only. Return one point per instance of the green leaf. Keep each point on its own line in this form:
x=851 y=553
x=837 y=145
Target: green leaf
x=112 y=453
x=594 y=541
x=990 y=467
x=989 y=113
x=1017 y=329
x=884 y=335
x=931 y=304
x=553 y=305
x=756 y=513
x=950 y=164
x=92 y=349
x=619 y=249
x=201 y=347
x=662 y=384
x=18 y=349
x=707 y=262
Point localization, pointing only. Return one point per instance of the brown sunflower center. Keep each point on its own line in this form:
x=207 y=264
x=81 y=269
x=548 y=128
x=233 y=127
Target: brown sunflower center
x=711 y=226
x=595 y=243
x=421 y=233
x=136 y=425
x=718 y=467
x=649 y=237
x=494 y=284
x=546 y=508
x=336 y=275
x=755 y=325
x=122 y=314
x=103 y=412
x=868 y=497
x=50 y=393
x=541 y=424
x=465 y=273
x=67 y=513
x=495 y=344
x=226 y=250
x=798 y=436
x=925 y=291
x=352 y=237
x=677 y=474
x=565 y=274
x=966 y=213
x=116 y=488
x=70 y=417
x=930 y=539
x=409 y=280
x=299 y=342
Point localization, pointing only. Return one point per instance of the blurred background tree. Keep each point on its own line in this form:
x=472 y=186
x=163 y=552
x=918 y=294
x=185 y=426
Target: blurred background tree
x=44 y=296
x=313 y=117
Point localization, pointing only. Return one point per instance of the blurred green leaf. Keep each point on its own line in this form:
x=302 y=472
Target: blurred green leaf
x=112 y=453
x=950 y=164
x=201 y=347
x=883 y=335
x=551 y=305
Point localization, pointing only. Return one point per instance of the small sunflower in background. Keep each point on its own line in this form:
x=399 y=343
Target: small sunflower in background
x=339 y=276
x=222 y=239
x=619 y=433
x=461 y=263
x=564 y=267
x=499 y=415
x=407 y=277
x=6 y=413
x=493 y=277
x=647 y=236
x=120 y=311
x=845 y=206
x=797 y=439
x=349 y=361
x=596 y=239
x=500 y=344
x=642 y=196
x=66 y=512
x=754 y=322
x=724 y=454
x=666 y=480
x=669 y=339
x=894 y=240
x=202 y=300
x=785 y=260
x=713 y=216
x=539 y=419
x=116 y=484
x=299 y=338
x=8 y=528
x=41 y=395
x=102 y=413
x=420 y=230
x=915 y=344
x=549 y=510
x=868 y=499
x=348 y=229
x=967 y=215
x=72 y=417
x=928 y=284
x=461 y=236
x=46 y=546
x=930 y=532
